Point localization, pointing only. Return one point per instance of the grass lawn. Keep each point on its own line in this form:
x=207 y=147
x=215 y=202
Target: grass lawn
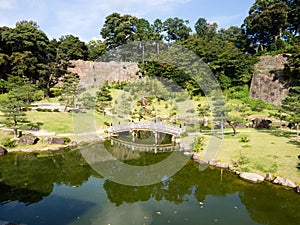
x=63 y=123
x=58 y=122
x=264 y=153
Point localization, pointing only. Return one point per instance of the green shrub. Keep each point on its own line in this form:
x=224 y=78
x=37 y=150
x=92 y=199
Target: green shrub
x=244 y=138
x=9 y=143
x=198 y=144
x=67 y=140
x=106 y=123
x=55 y=92
x=55 y=110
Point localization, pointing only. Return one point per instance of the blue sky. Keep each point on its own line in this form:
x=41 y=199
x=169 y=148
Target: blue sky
x=84 y=18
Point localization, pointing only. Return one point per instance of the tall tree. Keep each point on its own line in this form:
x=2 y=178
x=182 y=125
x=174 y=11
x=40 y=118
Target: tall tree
x=157 y=30
x=201 y=27
x=27 y=48
x=266 y=21
x=176 y=29
x=72 y=47
x=118 y=30
x=293 y=16
x=96 y=49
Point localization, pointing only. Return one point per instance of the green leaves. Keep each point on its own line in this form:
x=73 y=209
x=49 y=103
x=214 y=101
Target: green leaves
x=72 y=48
x=268 y=20
x=291 y=104
x=103 y=99
x=118 y=30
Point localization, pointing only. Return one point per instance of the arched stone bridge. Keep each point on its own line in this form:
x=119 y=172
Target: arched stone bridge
x=158 y=127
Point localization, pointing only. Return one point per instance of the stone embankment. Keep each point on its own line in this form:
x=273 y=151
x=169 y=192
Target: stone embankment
x=94 y=74
x=251 y=177
x=268 y=83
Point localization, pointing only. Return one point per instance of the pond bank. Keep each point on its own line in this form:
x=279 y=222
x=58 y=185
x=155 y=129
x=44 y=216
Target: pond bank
x=250 y=177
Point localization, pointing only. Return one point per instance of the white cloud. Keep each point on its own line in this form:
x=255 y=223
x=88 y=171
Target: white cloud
x=80 y=17
x=8 y=4
x=224 y=21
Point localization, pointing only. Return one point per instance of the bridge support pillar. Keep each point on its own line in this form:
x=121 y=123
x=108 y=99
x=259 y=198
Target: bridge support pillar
x=133 y=136
x=173 y=139
x=156 y=137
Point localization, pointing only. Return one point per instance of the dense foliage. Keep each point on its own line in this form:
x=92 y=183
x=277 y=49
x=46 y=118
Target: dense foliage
x=271 y=27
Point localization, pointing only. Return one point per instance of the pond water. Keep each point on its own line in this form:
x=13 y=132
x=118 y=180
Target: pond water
x=61 y=188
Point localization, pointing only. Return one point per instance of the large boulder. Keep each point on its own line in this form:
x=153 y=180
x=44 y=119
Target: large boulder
x=3 y=151
x=54 y=140
x=269 y=177
x=222 y=165
x=253 y=177
x=261 y=123
x=28 y=140
x=284 y=182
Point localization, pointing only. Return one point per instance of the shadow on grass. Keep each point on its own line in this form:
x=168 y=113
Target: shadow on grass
x=282 y=134
x=293 y=142
x=289 y=135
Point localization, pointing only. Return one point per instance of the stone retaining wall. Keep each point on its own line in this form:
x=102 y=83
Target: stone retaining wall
x=94 y=74
x=268 y=82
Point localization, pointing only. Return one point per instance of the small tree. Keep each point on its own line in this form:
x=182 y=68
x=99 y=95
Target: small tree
x=13 y=109
x=87 y=101
x=103 y=98
x=69 y=90
x=198 y=143
x=233 y=122
x=291 y=105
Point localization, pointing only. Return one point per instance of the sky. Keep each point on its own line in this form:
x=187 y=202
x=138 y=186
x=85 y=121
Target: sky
x=85 y=18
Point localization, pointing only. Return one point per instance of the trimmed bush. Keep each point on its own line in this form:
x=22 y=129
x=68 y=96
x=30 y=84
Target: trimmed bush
x=9 y=143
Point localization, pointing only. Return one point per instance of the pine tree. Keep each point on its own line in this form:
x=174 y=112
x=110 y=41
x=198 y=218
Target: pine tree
x=104 y=98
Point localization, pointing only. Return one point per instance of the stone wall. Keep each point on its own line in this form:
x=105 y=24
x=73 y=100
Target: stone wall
x=267 y=83
x=94 y=74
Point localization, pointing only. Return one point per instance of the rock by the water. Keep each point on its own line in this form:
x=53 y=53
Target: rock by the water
x=54 y=140
x=253 y=177
x=73 y=144
x=297 y=189
x=231 y=169
x=3 y=151
x=269 y=177
x=222 y=165
x=189 y=154
x=196 y=156
x=201 y=162
x=213 y=162
x=284 y=182
x=28 y=140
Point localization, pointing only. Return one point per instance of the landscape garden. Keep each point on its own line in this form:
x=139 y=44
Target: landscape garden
x=40 y=94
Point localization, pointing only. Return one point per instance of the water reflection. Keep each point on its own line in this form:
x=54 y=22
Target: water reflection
x=49 y=186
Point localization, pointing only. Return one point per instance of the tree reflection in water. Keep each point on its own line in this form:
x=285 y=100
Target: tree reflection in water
x=28 y=178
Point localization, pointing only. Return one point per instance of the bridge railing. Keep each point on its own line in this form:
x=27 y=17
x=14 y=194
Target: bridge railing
x=157 y=127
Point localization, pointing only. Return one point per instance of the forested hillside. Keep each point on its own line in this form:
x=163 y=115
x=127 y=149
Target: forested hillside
x=31 y=64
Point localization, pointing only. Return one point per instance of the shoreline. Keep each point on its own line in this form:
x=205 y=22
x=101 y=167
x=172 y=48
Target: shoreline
x=247 y=176
x=254 y=178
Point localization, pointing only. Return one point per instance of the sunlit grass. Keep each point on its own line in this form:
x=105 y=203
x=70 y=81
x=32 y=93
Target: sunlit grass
x=264 y=153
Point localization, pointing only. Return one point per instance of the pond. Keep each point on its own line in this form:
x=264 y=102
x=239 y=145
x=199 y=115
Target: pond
x=62 y=188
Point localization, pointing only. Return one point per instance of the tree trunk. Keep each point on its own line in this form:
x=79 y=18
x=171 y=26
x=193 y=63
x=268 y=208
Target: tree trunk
x=233 y=128
x=15 y=132
x=297 y=132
